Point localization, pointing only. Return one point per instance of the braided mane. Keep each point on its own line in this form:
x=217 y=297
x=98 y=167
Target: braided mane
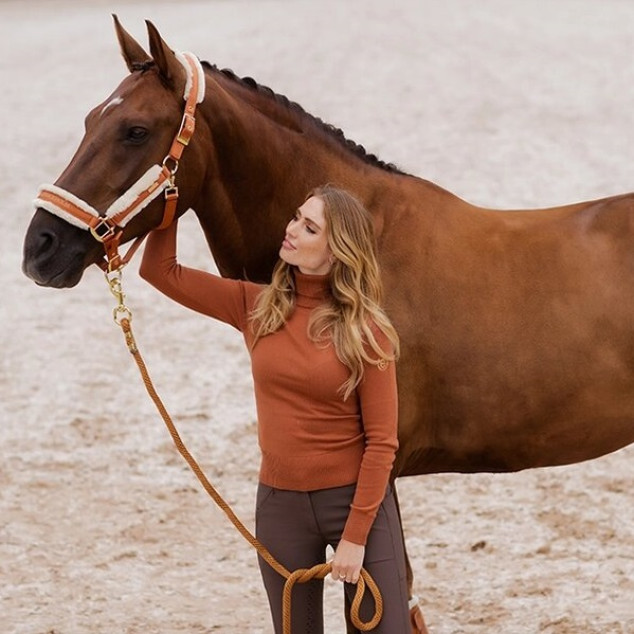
x=337 y=133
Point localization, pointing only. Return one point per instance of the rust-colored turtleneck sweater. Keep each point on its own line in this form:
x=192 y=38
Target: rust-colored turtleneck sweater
x=310 y=438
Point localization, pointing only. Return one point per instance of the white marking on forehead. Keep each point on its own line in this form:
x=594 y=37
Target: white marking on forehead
x=115 y=101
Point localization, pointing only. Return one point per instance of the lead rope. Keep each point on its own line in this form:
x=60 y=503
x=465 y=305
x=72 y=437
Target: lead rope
x=123 y=317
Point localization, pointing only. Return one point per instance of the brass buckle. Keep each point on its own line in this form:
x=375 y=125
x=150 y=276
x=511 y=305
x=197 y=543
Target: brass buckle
x=103 y=230
x=172 y=170
x=186 y=130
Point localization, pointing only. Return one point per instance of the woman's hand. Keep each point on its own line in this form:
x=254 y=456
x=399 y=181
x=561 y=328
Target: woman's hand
x=347 y=562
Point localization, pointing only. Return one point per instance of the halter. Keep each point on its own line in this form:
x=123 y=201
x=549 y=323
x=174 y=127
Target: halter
x=107 y=228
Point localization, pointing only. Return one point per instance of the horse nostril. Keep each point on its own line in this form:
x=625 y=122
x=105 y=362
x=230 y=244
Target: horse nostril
x=45 y=245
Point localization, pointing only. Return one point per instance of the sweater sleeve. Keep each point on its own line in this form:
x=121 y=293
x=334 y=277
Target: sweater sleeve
x=218 y=297
x=379 y=412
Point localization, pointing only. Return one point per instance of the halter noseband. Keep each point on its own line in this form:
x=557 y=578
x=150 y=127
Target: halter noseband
x=108 y=228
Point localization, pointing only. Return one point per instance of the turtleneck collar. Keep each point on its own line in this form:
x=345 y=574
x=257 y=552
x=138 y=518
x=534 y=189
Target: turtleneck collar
x=311 y=290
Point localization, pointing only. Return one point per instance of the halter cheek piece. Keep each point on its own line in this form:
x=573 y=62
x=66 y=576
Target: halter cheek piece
x=108 y=228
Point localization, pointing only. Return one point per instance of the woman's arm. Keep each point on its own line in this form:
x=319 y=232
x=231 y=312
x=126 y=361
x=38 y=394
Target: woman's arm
x=379 y=411
x=378 y=400
x=221 y=298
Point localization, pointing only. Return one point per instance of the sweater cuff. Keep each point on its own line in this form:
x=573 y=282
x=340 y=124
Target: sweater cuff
x=358 y=527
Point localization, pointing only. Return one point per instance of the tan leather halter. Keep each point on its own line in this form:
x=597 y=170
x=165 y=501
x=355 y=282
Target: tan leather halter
x=107 y=228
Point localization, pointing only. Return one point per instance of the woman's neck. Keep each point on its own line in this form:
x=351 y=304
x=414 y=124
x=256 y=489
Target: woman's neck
x=311 y=290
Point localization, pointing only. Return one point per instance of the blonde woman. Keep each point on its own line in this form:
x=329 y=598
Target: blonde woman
x=322 y=354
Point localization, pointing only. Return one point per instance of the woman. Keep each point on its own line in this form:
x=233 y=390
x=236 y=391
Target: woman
x=322 y=355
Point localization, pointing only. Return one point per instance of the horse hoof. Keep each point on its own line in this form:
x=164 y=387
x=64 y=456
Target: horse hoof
x=417 y=621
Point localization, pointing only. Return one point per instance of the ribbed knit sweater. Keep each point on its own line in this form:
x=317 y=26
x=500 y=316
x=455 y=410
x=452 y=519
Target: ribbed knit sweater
x=309 y=437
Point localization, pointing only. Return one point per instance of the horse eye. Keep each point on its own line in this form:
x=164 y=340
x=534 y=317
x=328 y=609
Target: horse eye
x=136 y=134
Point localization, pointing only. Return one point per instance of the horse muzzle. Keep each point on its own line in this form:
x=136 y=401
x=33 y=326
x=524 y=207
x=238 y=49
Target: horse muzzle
x=55 y=254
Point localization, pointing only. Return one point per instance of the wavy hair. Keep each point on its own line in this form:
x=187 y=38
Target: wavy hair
x=353 y=315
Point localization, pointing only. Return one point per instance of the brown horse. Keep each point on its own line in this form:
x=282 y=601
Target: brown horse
x=516 y=328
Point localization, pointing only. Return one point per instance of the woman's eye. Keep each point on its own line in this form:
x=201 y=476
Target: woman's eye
x=136 y=134
x=308 y=228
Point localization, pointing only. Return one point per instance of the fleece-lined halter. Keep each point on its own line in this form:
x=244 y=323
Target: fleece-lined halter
x=108 y=227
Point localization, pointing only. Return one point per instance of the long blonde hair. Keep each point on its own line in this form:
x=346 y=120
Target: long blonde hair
x=353 y=314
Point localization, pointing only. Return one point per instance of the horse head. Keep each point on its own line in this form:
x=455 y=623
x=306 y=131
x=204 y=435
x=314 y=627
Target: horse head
x=129 y=152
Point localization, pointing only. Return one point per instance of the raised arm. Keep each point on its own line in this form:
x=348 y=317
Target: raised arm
x=221 y=298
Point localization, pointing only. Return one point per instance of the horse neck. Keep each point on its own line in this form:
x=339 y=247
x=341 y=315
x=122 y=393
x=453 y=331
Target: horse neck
x=263 y=157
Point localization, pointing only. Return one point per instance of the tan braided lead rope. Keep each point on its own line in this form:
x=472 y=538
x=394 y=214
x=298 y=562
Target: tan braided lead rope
x=122 y=317
x=302 y=575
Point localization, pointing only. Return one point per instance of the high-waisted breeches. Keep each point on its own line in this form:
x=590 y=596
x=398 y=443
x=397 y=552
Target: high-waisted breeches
x=297 y=527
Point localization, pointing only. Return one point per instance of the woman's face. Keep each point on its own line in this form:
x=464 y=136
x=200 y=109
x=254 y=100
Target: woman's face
x=305 y=244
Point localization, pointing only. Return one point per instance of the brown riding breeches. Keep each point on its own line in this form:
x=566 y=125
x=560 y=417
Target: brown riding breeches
x=297 y=526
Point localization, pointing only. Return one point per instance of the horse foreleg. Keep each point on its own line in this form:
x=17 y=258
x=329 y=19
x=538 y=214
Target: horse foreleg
x=416 y=618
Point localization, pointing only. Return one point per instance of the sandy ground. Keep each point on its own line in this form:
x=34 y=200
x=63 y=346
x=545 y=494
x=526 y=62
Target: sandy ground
x=103 y=529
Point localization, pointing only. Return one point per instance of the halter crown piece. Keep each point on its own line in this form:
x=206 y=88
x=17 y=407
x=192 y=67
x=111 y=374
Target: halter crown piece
x=107 y=228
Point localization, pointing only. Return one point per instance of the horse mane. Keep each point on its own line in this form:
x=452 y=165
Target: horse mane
x=337 y=133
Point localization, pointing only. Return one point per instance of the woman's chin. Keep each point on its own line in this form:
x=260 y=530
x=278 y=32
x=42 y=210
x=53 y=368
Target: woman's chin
x=284 y=255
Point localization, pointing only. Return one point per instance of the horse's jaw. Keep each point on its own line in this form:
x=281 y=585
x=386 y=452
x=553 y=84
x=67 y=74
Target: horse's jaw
x=55 y=254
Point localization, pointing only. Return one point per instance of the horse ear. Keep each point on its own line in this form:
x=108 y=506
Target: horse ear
x=132 y=51
x=164 y=58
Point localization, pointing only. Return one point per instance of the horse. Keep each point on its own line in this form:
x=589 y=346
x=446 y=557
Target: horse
x=515 y=326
